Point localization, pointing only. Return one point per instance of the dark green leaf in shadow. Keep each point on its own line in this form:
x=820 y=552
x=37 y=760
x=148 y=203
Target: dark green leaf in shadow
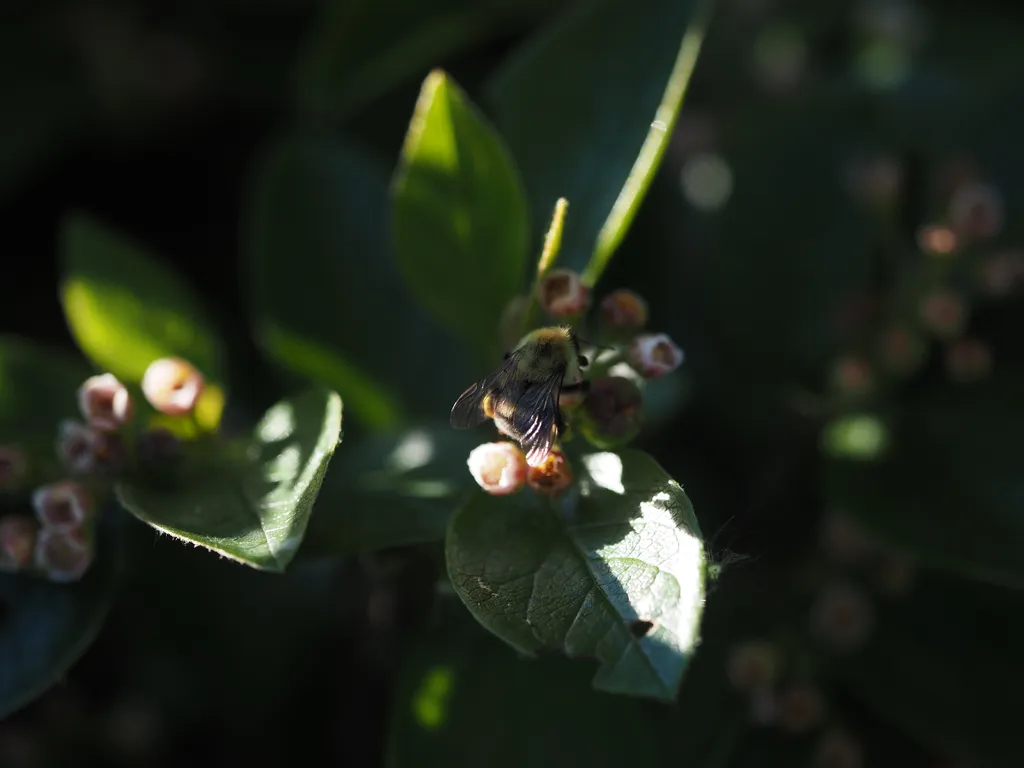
x=251 y=505
x=939 y=663
x=358 y=50
x=459 y=214
x=38 y=386
x=945 y=484
x=392 y=489
x=328 y=299
x=587 y=108
x=46 y=627
x=616 y=571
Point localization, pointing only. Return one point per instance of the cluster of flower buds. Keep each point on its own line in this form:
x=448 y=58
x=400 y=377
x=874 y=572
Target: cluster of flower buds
x=961 y=263
x=608 y=411
x=58 y=540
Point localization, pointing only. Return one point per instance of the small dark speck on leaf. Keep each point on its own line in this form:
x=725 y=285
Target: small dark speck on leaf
x=640 y=627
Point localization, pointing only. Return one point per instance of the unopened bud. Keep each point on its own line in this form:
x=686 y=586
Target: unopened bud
x=553 y=476
x=499 y=468
x=1002 y=273
x=852 y=375
x=753 y=665
x=843 y=617
x=612 y=412
x=105 y=402
x=562 y=294
x=901 y=350
x=838 y=749
x=968 y=359
x=944 y=314
x=936 y=240
x=654 y=354
x=800 y=708
x=17 y=542
x=63 y=506
x=75 y=443
x=624 y=309
x=63 y=556
x=13 y=467
x=172 y=385
x=976 y=211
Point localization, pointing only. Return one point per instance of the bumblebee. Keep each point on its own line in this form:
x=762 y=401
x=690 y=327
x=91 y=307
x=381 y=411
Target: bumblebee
x=521 y=396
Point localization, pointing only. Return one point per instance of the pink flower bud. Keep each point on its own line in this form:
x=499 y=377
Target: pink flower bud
x=753 y=665
x=562 y=294
x=976 y=211
x=17 y=541
x=838 y=749
x=553 y=476
x=624 y=309
x=654 y=354
x=64 y=556
x=612 y=412
x=105 y=403
x=968 y=359
x=13 y=467
x=936 y=240
x=499 y=468
x=1002 y=273
x=62 y=506
x=852 y=375
x=800 y=708
x=843 y=617
x=75 y=442
x=172 y=385
x=944 y=314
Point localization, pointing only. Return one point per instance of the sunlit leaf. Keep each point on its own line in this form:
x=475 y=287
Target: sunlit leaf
x=253 y=504
x=459 y=214
x=615 y=572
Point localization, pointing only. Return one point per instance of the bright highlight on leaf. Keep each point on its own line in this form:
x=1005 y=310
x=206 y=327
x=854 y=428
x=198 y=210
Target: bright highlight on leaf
x=856 y=437
x=126 y=309
x=253 y=507
x=583 y=575
x=430 y=704
x=459 y=214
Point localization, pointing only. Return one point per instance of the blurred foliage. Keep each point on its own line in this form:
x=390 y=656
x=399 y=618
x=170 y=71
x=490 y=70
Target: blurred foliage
x=830 y=228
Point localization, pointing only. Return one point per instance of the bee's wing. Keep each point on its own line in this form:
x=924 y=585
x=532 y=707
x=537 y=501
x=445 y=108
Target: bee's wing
x=468 y=410
x=536 y=420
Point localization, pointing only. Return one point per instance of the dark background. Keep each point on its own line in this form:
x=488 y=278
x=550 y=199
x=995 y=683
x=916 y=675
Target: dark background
x=149 y=114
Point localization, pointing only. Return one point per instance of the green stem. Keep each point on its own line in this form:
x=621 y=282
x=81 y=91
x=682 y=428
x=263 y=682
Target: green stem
x=642 y=174
x=548 y=257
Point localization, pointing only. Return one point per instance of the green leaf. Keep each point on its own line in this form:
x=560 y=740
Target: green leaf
x=38 y=387
x=459 y=693
x=359 y=50
x=582 y=576
x=938 y=665
x=126 y=309
x=459 y=214
x=587 y=109
x=47 y=627
x=324 y=275
x=947 y=486
x=392 y=489
x=251 y=506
